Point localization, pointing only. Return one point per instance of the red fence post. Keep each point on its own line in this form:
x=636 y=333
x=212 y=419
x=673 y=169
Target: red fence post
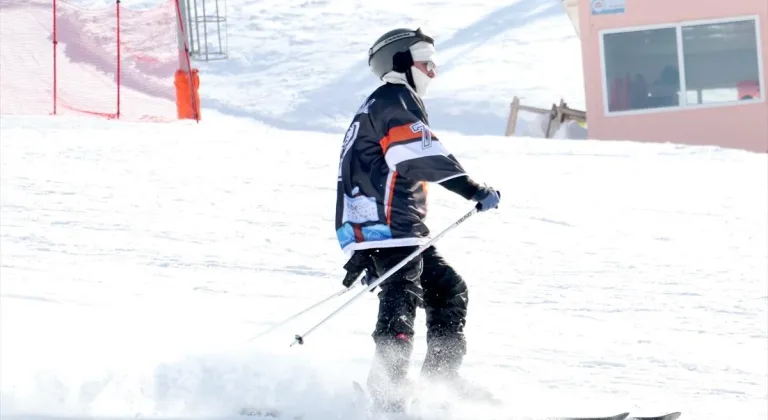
x=192 y=81
x=55 y=43
x=117 y=7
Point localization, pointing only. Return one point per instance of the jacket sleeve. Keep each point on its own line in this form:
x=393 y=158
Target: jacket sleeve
x=414 y=151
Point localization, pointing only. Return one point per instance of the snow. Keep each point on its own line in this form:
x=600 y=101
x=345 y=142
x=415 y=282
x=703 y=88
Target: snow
x=140 y=261
x=311 y=60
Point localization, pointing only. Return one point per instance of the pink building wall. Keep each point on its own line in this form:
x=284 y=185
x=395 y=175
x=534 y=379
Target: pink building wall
x=742 y=125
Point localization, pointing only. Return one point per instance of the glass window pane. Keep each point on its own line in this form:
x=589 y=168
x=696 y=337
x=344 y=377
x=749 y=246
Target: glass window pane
x=641 y=69
x=721 y=62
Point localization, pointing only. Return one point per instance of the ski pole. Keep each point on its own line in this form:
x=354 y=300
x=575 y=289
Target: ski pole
x=300 y=338
x=292 y=317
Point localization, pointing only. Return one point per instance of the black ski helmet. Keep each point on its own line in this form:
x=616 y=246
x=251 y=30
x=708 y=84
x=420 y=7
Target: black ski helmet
x=391 y=51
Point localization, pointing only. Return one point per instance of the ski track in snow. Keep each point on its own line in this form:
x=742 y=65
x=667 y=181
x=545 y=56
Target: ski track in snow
x=137 y=264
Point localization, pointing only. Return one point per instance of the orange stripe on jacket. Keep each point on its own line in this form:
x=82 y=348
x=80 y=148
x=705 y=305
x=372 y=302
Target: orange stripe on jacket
x=398 y=134
x=391 y=195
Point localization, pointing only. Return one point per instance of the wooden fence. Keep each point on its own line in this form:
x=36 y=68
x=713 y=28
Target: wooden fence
x=557 y=115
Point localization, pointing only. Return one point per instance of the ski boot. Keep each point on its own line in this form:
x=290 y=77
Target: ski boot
x=441 y=369
x=387 y=383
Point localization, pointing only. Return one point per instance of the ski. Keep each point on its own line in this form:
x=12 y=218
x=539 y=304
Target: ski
x=362 y=400
x=670 y=416
x=621 y=416
x=267 y=414
x=361 y=393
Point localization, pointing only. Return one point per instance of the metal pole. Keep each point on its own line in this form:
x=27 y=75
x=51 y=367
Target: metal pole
x=197 y=28
x=205 y=31
x=181 y=31
x=190 y=40
x=294 y=316
x=218 y=25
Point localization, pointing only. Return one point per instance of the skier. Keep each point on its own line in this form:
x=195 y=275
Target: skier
x=388 y=156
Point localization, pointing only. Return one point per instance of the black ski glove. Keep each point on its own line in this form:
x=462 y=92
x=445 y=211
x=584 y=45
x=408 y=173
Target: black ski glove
x=487 y=198
x=359 y=262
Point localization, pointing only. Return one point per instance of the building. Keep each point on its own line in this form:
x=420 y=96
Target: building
x=683 y=71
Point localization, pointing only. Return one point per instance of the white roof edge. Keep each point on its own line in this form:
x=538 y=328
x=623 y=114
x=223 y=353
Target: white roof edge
x=572 y=10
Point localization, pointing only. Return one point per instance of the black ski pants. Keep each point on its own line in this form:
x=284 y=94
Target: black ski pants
x=427 y=281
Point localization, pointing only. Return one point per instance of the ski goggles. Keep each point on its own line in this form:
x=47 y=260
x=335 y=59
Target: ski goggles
x=429 y=65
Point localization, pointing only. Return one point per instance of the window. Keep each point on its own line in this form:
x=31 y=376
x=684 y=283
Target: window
x=720 y=61
x=682 y=65
x=641 y=69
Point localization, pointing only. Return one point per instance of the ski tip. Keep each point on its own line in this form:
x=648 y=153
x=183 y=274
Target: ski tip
x=357 y=387
x=670 y=416
x=626 y=416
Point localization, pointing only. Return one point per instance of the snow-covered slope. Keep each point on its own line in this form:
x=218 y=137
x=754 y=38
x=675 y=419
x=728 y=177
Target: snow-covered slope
x=139 y=260
x=303 y=63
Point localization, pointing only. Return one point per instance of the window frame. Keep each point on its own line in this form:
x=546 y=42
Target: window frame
x=678 y=26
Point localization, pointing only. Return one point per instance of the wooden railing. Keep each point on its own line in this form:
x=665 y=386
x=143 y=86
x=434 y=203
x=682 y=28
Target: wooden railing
x=558 y=114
